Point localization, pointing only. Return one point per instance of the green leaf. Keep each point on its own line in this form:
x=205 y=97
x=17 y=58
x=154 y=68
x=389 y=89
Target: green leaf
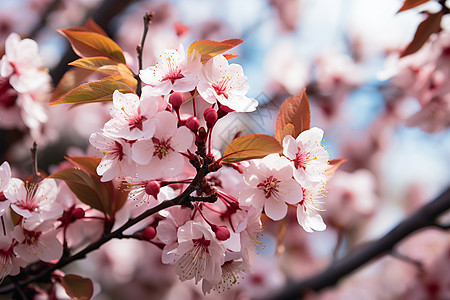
x=432 y=24
x=92 y=44
x=250 y=147
x=96 y=91
x=408 y=4
x=295 y=111
x=77 y=287
x=208 y=49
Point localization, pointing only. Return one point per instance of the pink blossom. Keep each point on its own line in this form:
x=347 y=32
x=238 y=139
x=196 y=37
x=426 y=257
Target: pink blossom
x=21 y=64
x=225 y=84
x=308 y=157
x=172 y=72
x=308 y=209
x=270 y=186
x=116 y=160
x=159 y=157
x=132 y=118
x=250 y=235
x=232 y=271
x=39 y=243
x=9 y=262
x=34 y=201
x=198 y=255
x=5 y=176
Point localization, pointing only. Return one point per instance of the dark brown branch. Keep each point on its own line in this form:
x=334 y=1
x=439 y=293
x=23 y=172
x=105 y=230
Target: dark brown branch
x=34 y=163
x=425 y=217
x=147 y=20
x=118 y=233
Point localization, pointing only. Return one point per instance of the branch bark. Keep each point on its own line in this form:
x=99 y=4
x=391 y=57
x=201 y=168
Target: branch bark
x=427 y=216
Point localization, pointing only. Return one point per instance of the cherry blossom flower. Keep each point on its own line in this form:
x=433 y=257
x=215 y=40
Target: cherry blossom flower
x=308 y=209
x=249 y=236
x=308 y=157
x=21 y=64
x=5 y=176
x=232 y=271
x=172 y=72
x=10 y=263
x=139 y=196
x=132 y=118
x=226 y=84
x=39 y=243
x=270 y=186
x=159 y=157
x=116 y=160
x=34 y=201
x=198 y=255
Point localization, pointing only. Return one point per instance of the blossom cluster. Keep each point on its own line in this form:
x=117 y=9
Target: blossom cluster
x=24 y=87
x=152 y=143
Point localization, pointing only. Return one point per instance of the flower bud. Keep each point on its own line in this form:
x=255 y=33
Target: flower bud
x=176 y=99
x=210 y=115
x=78 y=213
x=192 y=123
x=152 y=188
x=149 y=232
x=222 y=233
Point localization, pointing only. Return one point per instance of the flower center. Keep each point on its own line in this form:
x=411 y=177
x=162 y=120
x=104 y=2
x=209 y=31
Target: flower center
x=269 y=186
x=174 y=72
x=302 y=158
x=162 y=147
x=30 y=202
x=136 y=122
x=222 y=86
x=31 y=236
x=117 y=151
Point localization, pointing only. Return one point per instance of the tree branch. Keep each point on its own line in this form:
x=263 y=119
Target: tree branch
x=118 y=233
x=425 y=217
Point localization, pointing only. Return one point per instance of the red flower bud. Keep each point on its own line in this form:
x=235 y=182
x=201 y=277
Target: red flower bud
x=149 y=232
x=176 y=99
x=192 y=123
x=210 y=115
x=78 y=213
x=152 y=188
x=222 y=233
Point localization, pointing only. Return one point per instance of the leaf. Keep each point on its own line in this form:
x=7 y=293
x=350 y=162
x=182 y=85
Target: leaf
x=408 y=4
x=85 y=183
x=86 y=163
x=294 y=110
x=288 y=130
x=230 y=56
x=77 y=287
x=209 y=49
x=250 y=147
x=91 y=44
x=88 y=188
x=105 y=65
x=96 y=91
x=71 y=79
x=334 y=165
x=432 y=24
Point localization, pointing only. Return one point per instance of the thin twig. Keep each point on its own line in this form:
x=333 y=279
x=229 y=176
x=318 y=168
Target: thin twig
x=34 y=165
x=147 y=20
